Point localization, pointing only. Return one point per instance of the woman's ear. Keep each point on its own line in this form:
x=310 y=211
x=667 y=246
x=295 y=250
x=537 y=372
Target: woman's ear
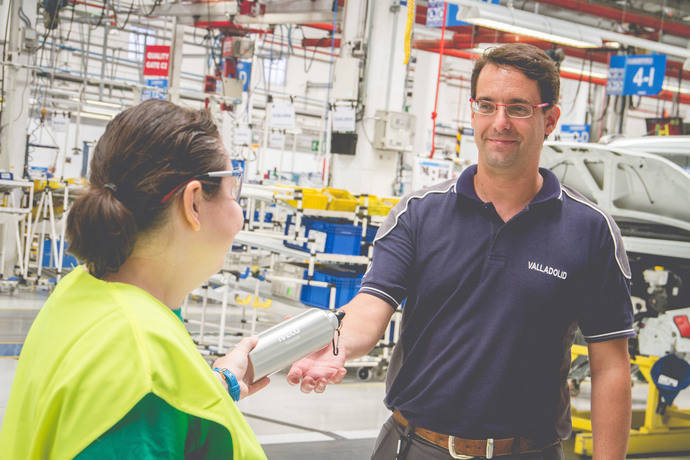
x=191 y=201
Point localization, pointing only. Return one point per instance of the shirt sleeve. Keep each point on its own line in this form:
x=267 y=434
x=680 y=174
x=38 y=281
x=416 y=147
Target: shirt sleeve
x=394 y=251
x=607 y=312
x=153 y=429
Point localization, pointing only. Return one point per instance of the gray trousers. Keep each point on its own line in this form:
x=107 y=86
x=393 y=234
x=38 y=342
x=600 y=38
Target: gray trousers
x=419 y=449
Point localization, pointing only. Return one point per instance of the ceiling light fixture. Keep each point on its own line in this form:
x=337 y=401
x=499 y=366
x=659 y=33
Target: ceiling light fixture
x=526 y=24
x=101 y=103
x=553 y=29
x=96 y=115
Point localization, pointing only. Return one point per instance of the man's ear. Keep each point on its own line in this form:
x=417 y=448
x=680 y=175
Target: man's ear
x=551 y=119
x=191 y=202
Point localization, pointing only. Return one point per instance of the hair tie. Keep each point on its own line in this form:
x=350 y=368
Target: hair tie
x=111 y=187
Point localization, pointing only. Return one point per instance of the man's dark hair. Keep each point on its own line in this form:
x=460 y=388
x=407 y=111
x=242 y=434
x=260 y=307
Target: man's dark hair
x=529 y=60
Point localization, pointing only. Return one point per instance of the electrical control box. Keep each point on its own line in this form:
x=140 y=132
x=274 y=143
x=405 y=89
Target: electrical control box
x=346 y=79
x=238 y=47
x=394 y=131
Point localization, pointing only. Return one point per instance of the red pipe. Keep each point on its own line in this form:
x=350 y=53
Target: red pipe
x=297 y=47
x=618 y=15
x=455 y=53
x=483 y=35
x=321 y=26
x=229 y=25
x=320 y=42
x=664 y=95
x=438 y=79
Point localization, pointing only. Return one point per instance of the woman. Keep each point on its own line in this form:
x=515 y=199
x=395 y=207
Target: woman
x=108 y=369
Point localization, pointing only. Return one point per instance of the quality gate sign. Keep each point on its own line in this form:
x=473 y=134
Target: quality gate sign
x=156 y=60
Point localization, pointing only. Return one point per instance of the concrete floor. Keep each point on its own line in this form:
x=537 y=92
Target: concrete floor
x=342 y=423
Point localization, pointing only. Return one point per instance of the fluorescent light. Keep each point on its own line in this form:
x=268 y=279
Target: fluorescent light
x=513 y=29
x=96 y=115
x=524 y=23
x=101 y=103
x=556 y=30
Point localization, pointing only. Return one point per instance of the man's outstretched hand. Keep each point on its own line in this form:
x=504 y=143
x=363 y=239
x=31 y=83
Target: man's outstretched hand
x=318 y=369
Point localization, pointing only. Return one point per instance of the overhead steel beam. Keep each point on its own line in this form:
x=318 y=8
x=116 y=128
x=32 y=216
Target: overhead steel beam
x=511 y=15
x=288 y=18
x=621 y=16
x=187 y=13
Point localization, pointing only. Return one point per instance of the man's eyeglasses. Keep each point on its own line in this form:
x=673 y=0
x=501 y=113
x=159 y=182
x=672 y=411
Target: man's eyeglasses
x=237 y=174
x=484 y=107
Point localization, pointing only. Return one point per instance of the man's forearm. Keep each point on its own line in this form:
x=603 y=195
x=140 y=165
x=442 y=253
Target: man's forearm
x=366 y=319
x=611 y=412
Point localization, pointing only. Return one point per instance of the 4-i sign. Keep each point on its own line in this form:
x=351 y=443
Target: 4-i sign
x=640 y=75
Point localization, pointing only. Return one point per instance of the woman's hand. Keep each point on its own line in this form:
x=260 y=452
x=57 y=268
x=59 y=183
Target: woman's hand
x=237 y=362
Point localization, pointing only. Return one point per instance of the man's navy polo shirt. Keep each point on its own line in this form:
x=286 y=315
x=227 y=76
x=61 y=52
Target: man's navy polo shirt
x=492 y=307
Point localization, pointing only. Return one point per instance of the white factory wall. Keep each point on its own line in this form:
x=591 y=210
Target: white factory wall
x=308 y=91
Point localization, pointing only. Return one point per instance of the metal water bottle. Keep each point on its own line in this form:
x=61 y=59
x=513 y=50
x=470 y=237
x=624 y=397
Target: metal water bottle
x=292 y=340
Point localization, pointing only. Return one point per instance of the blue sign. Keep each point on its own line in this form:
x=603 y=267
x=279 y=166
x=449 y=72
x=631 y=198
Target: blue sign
x=640 y=75
x=161 y=83
x=244 y=73
x=434 y=14
x=575 y=133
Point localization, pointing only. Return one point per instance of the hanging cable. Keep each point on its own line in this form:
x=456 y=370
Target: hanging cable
x=677 y=95
x=326 y=173
x=579 y=83
x=408 y=29
x=438 y=80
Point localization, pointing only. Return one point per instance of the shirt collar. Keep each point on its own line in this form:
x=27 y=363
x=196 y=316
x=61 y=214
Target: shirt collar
x=550 y=189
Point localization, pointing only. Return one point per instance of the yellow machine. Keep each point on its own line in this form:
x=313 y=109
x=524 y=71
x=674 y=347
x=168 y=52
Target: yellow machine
x=650 y=432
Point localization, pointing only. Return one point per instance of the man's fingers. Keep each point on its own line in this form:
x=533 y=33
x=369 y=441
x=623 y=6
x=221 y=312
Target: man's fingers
x=308 y=384
x=320 y=386
x=338 y=377
x=294 y=376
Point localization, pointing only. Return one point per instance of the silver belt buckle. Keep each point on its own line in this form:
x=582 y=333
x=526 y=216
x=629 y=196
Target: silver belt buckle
x=451 y=449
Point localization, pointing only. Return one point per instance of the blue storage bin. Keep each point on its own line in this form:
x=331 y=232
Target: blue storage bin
x=268 y=216
x=68 y=260
x=346 y=287
x=371 y=234
x=336 y=237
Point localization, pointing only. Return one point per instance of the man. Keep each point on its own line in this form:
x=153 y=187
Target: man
x=498 y=269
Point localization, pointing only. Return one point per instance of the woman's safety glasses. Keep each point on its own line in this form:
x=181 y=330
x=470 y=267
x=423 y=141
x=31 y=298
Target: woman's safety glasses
x=484 y=107
x=237 y=175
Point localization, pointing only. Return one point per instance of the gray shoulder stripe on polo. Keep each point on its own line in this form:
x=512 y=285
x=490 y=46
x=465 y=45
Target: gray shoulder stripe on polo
x=380 y=292
x=617 y=245
x=443 y=187
x=608 y=334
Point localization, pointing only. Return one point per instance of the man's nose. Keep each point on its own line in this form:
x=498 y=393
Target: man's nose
x=501 y=119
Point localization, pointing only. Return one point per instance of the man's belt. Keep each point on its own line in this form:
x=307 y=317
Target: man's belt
x=468 y=448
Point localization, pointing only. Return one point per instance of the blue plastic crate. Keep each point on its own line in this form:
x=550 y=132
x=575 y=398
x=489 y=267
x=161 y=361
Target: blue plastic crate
x=268 y=216
x=371 y=234
x=346 y=287
x=334 y=238
x=68 y=260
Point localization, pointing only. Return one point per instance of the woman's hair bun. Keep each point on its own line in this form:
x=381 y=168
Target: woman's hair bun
x=101 y=231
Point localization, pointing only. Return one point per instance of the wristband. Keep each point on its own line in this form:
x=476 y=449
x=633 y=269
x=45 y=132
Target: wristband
x=231 y=380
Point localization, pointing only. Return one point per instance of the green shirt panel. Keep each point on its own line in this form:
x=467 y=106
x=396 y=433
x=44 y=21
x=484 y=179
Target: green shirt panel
x=153 y=429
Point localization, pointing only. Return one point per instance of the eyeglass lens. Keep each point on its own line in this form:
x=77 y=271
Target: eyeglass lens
x=512 y=110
